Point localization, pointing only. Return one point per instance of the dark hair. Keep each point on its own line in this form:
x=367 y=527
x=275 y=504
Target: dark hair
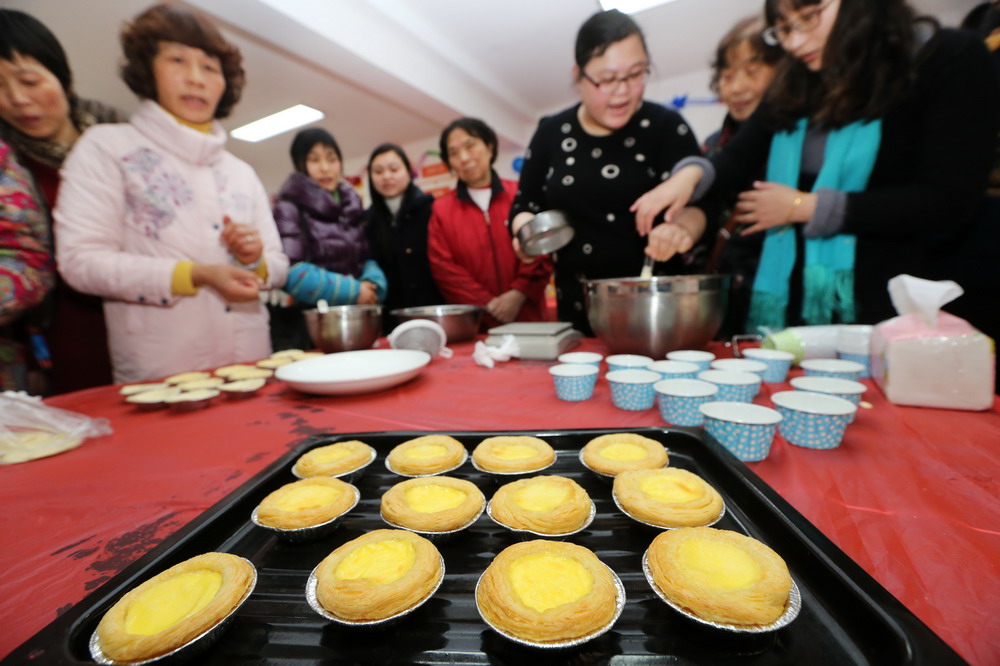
x=601 y=31
x=750 y=31
x=868 y=65
x=473 y=127
x=24 y=35
x=381 y=149
x=305 y=140
x=141 y=39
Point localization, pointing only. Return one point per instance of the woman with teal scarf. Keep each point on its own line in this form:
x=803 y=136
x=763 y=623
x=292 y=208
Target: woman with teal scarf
x=877 y=134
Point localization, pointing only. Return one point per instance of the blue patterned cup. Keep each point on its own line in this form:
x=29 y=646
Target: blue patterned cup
x=850 y=391
x=740 y=365
x=733 y=386
x=679 y=400
x=833 y=367
x=702 y=359
x=633 y=389
x=813 y=420
x=778 y=363
x=574 y=381
x=853 y=344
x=627 y=362
x=583 y=358
x=746 y=430
x=675 y=369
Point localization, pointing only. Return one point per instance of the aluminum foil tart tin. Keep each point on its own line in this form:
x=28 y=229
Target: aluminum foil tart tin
x=314 y=603
x=614 y=497
x=465 y=456
x=791 y=610
x=189 y=650
x=507 y=477
x=562 y=645
x=436 y=537
x=609 y=478
x=347 y=477
x=311 y=533
x=526 y=535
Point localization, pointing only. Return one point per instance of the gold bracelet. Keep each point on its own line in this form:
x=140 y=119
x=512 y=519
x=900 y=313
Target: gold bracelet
x=795 y=204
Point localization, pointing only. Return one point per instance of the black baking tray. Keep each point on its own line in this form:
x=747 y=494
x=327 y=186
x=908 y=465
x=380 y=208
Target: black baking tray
x=846 y=617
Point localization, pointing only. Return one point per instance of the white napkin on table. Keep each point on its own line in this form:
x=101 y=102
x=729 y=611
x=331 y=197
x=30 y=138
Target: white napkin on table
x=911 y=295
x=487 y=356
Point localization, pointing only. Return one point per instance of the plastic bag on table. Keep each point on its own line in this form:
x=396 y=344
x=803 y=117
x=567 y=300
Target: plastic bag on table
x=30 y=429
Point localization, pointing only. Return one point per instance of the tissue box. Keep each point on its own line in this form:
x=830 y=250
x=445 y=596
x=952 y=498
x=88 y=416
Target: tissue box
x=949 y=365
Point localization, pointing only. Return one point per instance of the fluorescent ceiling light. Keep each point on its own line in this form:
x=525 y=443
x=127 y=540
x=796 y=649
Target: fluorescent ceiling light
x=631 y=6
x=276 y=123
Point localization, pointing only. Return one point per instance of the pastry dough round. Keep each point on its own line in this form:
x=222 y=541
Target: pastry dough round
x=512 y=454
x=547 y=592
x=378 y=575
x=306 y=503
x=618 y=452
x=668 y=497
x=124 y=631
x=430 y=454
x=543 y=504
x=720 y=576
x=333 y=459
x=187 y=377
x=432 y=504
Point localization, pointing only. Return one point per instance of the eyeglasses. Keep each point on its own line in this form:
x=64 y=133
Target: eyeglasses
x=609 y=84
x=807 y=22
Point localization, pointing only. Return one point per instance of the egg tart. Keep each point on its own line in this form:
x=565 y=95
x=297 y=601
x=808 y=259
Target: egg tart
x=432 y=504
x=545 y=504
x=720 y=576
x=174 y=607
x=228 y=371
x=186 y=377
x=619 y=452
x=667 y=497
x=430 y=454
x=306 y=503
x=132 y=389
x=378 y=575
x=333 y=459
x=548 y=592
x=512 y=454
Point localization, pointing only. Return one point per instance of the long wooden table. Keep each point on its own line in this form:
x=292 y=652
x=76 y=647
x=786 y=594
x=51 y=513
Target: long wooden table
x=912 y=495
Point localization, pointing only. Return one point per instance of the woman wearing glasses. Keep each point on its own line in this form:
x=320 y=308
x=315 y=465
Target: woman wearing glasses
x=596 y=158
x=877 y=134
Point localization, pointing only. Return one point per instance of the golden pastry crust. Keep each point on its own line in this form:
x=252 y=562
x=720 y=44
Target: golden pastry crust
x=511 y=454
x=668 y=497
x=544 y=504
x=187 y=377
x=333 y=459
x=429 y=454
x=117 y=643
x=720 y=576
x=406 y=504
x=359 y=598
x=502 y=595
x=306 y=503
x=630 y=451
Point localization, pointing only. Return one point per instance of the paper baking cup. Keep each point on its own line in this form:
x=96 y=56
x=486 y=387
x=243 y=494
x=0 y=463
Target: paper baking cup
x=436 y=537
x=813 y=420
x=833 y=367
x=734 y=386
x=777 y=363
x=633 y=389
x=679 y=400
x=311 y=533
x=614 y=497
x=702 y=359
x=847 y=389
x=746 y=430
x=314 y=603
x=740 y=365
x=791 y=609
x=194 y=647
x=465 y=456
x=675 y=369
x=627 y=362
x=347 y=477
x=581 y=358
x=526 y=535
x=574 y=381
x=563 y=645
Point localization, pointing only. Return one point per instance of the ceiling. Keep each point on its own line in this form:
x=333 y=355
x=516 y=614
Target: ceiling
x=399 y=70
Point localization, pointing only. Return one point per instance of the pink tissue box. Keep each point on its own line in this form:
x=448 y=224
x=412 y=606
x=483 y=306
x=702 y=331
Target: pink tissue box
x=950 y=365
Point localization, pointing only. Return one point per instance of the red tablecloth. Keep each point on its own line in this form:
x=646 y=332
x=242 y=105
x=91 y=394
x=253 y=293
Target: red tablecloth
x=911 y=495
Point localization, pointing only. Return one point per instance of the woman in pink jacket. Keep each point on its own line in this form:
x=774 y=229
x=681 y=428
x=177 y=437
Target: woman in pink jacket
x=156 y=217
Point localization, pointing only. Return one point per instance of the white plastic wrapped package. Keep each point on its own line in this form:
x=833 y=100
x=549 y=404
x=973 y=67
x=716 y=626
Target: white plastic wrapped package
x=30 y=429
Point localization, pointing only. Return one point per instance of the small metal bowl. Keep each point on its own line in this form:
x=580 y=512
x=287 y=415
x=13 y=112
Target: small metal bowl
x=527 y=535
x=436 y=537
x=460 y=322
x=314 y=603
x=791 y=609
x=344 y=327
x=614 y=498
x=546 y=232
x=465 y=456
x=562 y=645
x=311 y=533
x=349 y=476
x=185 y=653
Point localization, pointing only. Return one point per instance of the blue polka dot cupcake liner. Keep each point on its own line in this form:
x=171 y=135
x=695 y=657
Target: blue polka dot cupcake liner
x=849 y=390
x=574 y=382
x=777 y=363
x=833 y=367
x=633 y=389
x=679 y=400
x=813 y=420
x=745 y=430
x=675 y=369
x=733 y=386
x=863 y=359
x=702 y=359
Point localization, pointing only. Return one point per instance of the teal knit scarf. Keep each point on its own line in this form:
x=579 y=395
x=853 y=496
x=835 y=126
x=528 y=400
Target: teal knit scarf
x=828 y=275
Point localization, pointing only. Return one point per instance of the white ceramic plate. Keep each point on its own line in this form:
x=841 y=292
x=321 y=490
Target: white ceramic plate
x=351 y=372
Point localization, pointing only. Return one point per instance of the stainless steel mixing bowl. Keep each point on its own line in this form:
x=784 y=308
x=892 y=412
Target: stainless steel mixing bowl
x=460 y=322
x=656 y=315
x=344 y=327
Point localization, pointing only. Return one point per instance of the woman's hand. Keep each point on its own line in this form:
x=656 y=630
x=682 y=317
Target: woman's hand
x=505 y=307
x=672 y=194
x=770 y=205
x=242 y=241
x=236 y=285
x=677 y=237
x=368 y=294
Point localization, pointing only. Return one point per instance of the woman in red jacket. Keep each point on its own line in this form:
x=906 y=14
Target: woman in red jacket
x=468 y=243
